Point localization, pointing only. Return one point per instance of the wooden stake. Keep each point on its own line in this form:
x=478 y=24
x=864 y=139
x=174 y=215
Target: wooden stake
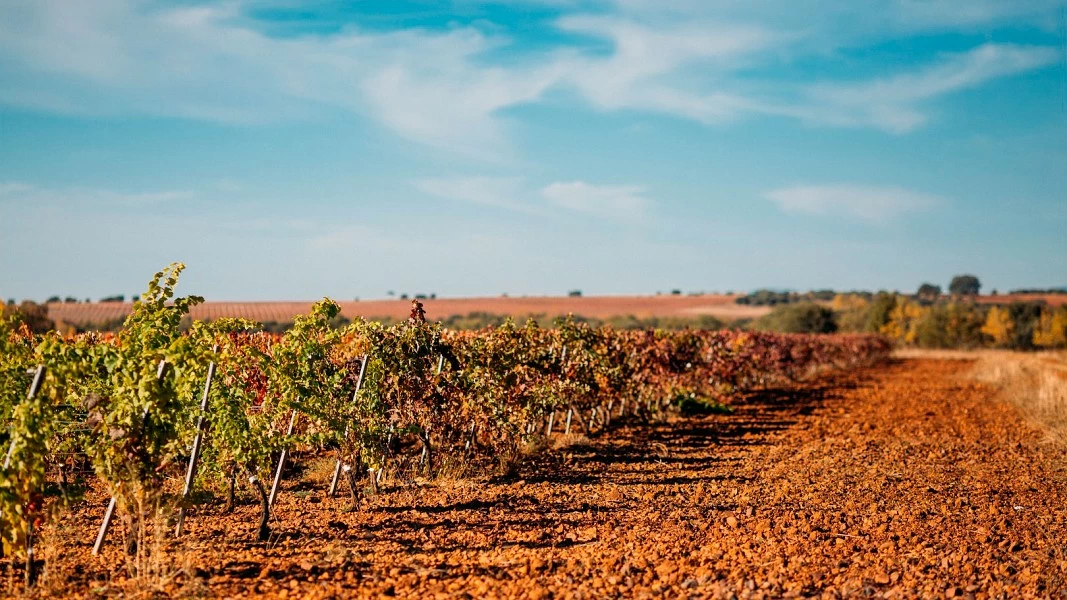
x=470 y=438
x=190 y=473
x=35 y=387
x=109 y=514
x=355 y=395
x=31 y=574
x=281 y=462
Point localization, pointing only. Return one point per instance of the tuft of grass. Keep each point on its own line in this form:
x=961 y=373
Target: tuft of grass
x=689 y=404
x=570 y=440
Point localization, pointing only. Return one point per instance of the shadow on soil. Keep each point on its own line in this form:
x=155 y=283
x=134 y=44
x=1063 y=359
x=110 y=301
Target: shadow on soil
x=632 y=455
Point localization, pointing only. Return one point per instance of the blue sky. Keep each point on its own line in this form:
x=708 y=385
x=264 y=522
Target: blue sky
x=290 y=150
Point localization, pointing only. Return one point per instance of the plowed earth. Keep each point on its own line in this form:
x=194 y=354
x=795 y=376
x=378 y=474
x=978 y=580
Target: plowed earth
x=719 y=306
x=901 y=480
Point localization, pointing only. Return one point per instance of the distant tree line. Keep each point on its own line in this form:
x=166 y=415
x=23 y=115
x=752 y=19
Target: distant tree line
x=1056 y=290
x=774 y=298
x=953 y=323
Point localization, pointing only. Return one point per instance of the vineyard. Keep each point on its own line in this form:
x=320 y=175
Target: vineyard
x=154 y=414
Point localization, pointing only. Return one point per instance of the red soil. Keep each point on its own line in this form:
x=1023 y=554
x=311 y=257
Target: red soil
x=899 y=481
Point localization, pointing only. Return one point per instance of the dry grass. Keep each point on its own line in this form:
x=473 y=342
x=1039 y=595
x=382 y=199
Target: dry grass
x=1034 y=382
x=569 y=440
x=159 y=567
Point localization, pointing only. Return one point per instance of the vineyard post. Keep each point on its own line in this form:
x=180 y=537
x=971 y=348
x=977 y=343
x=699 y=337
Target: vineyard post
x=567 y=427
x=281 y=461
x=581 y=421
x=35 y=388
x=470 y=437
x=355 y=394
x=194 y=457
x=109 y=514
x=551 y=421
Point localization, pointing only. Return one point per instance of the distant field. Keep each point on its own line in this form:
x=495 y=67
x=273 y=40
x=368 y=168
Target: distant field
x=718 y=306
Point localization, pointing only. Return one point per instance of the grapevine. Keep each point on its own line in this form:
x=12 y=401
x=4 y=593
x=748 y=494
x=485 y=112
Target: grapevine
x=404 y=399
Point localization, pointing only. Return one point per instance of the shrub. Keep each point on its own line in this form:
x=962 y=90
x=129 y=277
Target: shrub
x=798 y=318
x=952 y=325
x=1051 y=331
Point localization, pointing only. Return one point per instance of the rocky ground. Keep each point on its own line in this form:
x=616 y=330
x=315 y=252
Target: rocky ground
x=901 y=480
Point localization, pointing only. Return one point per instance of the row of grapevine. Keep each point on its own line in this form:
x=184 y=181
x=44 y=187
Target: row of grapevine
x=224 y=402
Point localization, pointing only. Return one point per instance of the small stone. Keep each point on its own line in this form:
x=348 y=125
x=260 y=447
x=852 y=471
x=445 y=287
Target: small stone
x=731 y=521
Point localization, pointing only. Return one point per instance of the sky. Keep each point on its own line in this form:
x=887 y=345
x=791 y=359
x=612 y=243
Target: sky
x=291 y=150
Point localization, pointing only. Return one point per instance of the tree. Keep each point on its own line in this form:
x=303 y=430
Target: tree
x=902 y=320
x=929 y=292
x=999 y=325
x=34 y=315
x=1026 y=316
x=879 y=313
x=1051 y=331
x=952 y=325
x=805 y=317
x=964 y=285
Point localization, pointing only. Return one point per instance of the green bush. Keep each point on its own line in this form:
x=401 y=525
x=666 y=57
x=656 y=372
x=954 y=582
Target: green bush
x=952 y=325
x=1026 y=316
x=798 y=318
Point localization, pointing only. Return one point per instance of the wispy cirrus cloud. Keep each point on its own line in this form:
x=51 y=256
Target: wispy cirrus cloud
x=620 y=203
x=613 y=202
x=874 y=204
x=449 y=88
x=19 y=193
x=892 y=103
x=499 y=192
x=643 y=72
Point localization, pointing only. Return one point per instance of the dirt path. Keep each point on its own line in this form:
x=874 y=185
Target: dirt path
x=897 y=481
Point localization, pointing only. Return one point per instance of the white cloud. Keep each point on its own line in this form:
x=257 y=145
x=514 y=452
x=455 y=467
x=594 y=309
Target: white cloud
x=648 y=67
x=120 y=57
x=351 y=238
x=13 y=188
x=27 y=194
x=617 y=202
x=500 y=192
x=890 y=103
x=869 y=203
x=449 y=89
